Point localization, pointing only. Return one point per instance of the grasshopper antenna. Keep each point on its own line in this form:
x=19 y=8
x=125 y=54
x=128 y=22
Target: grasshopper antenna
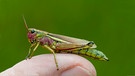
x=25 y=23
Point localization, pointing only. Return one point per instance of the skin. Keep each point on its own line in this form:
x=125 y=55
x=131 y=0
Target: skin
x=43 y=65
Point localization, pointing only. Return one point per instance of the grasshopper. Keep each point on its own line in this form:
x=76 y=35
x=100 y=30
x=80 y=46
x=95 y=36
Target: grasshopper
x=59 y=43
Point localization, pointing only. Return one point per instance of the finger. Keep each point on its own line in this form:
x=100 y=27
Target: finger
x=44 y=65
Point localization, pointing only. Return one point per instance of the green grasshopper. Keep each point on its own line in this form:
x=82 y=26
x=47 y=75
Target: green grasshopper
x=59 y=43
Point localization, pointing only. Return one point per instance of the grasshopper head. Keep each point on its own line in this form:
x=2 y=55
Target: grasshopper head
x=32 y=35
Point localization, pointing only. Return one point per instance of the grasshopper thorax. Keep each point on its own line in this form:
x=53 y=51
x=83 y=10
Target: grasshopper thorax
x=35 y=36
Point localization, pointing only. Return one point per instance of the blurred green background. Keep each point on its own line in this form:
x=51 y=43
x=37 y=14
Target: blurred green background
x=110 y=24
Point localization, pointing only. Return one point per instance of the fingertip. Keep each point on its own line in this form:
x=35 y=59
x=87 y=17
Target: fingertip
x=44 y=65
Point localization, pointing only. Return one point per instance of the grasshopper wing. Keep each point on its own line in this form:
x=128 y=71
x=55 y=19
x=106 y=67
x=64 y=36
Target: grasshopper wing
x=71 y=40
x=64 y=46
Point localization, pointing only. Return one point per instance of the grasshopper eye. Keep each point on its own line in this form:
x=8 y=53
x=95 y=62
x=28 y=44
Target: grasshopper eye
x=32 y=31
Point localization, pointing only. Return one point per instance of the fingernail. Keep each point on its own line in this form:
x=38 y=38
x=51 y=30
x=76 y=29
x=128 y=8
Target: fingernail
x=77 y=71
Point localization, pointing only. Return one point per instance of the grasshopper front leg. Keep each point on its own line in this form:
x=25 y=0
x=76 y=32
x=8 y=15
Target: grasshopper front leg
x=34 y=50
x=31 y=52
x=53 y=55
x=27 y=57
